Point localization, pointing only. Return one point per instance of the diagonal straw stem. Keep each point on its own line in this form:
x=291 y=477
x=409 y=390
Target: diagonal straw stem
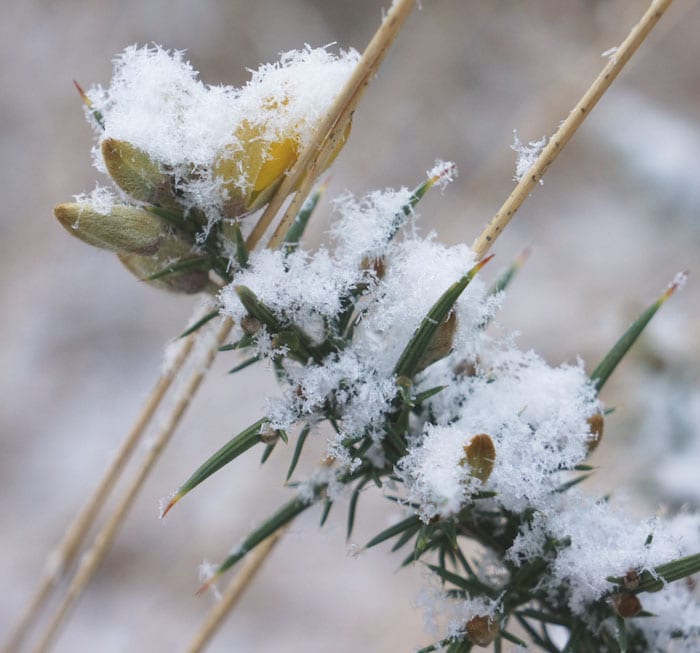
x=480 y=246
x=567 y=129
x=63 y=556
x=91 y=560
x=221 y=609
x=333 y=125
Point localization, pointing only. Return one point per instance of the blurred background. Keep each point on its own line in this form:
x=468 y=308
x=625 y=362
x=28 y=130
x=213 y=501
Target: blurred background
x=617 y=217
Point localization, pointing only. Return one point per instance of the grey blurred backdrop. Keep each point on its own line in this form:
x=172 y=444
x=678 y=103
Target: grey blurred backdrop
x=616 y=218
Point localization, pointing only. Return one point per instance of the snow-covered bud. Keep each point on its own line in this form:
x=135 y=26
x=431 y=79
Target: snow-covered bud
x=138 y=174
x=252 y=167
x=631 y=580
x=480 y=455
x=374 y=264
x=121 y=229
x=269 y=435
x=441 y=344
x=626 y=605
x=482 y=630
x=172 y=253
x=254 y=164
x=250 y=325
x=465 y=368
x=596 y=424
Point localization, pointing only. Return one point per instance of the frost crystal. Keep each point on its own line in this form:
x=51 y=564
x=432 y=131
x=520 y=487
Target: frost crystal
x=527 y=155
x=156 y=103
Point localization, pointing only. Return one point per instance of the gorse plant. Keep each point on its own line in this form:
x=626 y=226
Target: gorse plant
x=383 y=344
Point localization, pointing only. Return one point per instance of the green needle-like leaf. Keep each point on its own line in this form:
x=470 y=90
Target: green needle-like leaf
x=449 y=577
x=421 y=339
x=242 y=253
x=408 y=535
x=666 y=573
x=301 y=440
x=199 y=324
x=187 y=264
x=504 y=280
x=394 y=530
x=267 y=452
x=298 y=227
x=282 y=517
x=231 y=450
x=621 y=632
x=246 y=363
x=326 y=511
x=606 y=367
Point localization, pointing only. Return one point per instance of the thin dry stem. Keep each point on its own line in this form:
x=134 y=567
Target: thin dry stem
x=307 y=170
x=308 y=167
x=333 y=124
x=62 y=557
x=233 y=592
x=567 y=129
x=92 y=558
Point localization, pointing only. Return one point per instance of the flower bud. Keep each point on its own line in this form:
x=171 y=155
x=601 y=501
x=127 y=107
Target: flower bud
x=480 y=455
x=626 y=605
x=595 y=426
x=482 y=630
x=137 y=174
x=441 y=344
x=172 y=252
x=268 y=435
x=374 y=264
x=123 y=229
x=250 y=325
x=253 y=166
x=252 y=169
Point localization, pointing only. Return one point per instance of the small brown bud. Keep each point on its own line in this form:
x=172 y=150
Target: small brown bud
x=480 y=455
x=441 y=344
x=626 y=604
x=482 y=630
x=268 y=435
x=465 y=368
x=250 y=325
x=374 y=264
x=595 y=426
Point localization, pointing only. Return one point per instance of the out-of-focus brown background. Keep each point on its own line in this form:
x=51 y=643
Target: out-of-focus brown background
x=617 y=217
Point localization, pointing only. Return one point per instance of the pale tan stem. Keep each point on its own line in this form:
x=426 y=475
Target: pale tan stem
x=366 y=67
x=62 y=557
x=306 y=170
x=92 y=558
x=567 y=129
x=233 y=592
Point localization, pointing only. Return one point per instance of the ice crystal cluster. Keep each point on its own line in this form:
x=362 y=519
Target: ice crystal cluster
x=385 y=339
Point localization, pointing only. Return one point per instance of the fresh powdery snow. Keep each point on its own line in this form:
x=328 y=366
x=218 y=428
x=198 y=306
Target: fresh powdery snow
x=536 y=416
x=156 y=103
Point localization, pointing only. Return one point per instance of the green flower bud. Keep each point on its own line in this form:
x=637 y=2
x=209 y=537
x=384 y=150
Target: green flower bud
x=137 y=174
x=123 y=229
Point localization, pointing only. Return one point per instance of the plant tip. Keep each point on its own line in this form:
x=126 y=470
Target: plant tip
x=483 y=262
x=166 y=507
x=83 y=95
